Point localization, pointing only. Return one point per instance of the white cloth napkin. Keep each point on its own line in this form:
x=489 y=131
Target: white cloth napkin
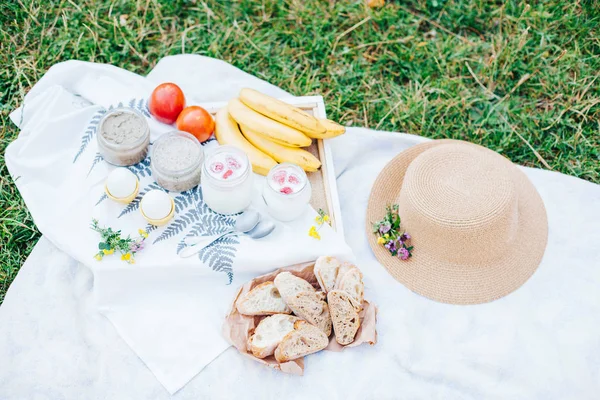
x=168 y=309
x=540 y=342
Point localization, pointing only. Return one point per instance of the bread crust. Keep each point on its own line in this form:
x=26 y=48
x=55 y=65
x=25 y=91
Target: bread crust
x=305 y=339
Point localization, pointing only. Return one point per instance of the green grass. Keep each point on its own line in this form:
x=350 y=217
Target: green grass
x=519 y=79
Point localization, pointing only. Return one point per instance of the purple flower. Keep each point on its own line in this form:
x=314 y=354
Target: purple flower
x=136 y=246
x=384 y=228
x=391 y=246
x=405 y=236
x=403 y=254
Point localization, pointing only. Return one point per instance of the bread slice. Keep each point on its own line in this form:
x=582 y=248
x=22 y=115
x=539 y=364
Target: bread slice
x=326 y=271
x=344 y=316
x=289 y=284
x=269 y=333
x=345 y=267
x=264 y=299
x=305 y=339
x=311 y=306
x=352 y=283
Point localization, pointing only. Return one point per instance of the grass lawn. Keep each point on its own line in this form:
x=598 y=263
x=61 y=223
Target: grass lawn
x=520 y=79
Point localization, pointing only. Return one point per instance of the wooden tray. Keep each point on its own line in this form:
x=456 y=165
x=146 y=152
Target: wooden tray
x=324 y=189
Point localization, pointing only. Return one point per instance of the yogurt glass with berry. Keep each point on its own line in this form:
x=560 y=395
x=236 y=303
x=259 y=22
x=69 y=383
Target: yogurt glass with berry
x=287 y=192
x=227 y=180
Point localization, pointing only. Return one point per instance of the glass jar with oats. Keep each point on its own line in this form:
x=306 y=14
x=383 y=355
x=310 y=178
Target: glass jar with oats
x=123 y=136
x=176 y=161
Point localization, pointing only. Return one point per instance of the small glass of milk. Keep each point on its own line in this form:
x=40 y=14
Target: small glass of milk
x=287 y=191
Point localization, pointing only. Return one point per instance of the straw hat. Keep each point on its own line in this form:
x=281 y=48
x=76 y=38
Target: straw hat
x=478 y=226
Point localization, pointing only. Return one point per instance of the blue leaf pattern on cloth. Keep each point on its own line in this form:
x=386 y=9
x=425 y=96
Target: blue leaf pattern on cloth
x=220 y=255
x=90 y=132
x=141 y=169
x=95 y=162
x=102 y=198
x=177 y=226
x=192 y=218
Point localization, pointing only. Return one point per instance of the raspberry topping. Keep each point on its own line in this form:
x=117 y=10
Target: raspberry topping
x=287 y=190
x=217 y=166
x=233 y=163
x=227 y=174
x=279 y=177
x=294 y=179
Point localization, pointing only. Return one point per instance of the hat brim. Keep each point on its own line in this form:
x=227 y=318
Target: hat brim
x=460 y=284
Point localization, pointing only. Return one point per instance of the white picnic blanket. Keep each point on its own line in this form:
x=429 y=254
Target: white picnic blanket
x=540 y=342
x=167 y=308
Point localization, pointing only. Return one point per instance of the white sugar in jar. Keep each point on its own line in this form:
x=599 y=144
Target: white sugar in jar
x=287 y=192
x=227 y=180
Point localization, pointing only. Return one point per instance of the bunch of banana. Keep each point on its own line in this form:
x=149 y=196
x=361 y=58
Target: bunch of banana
x=272 y=131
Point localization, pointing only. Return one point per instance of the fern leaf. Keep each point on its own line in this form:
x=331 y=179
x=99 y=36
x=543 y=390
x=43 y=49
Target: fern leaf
x=89 y=132
x=95 y=162
x=178 y=225
x=141 y=169
x=102 y=198
x=150 y=228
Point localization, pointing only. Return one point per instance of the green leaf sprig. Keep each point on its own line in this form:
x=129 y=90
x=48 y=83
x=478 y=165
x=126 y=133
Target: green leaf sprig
x=112 y=240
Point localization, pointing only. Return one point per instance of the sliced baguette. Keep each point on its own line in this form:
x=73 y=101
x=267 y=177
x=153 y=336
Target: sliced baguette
x=326 y=271
x=344 y=316
x=269 y=333
x=345 y=267
x=305 y=339
x=264 y=299
x=289 y=284
x=311 y=306
x=352 y=283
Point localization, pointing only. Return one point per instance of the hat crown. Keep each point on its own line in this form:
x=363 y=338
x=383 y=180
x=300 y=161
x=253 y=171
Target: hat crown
x=459 y=204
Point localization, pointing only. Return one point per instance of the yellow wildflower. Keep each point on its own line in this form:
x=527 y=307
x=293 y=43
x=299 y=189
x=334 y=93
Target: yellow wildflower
x=380 y=240
x=126 y=257
x=386 y=236
x=313 y=233
x=143 y=233
x=326 y=218
x=98 y=257
x=107 y=252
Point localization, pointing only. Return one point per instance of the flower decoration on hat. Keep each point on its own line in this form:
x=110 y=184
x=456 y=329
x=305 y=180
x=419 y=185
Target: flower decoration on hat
x=391 y=236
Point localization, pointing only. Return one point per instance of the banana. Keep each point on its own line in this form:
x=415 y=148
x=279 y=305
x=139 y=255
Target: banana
x=283 y=112
x=267 y=127
x=228 y=132
x=333 y=129
x=280 y=153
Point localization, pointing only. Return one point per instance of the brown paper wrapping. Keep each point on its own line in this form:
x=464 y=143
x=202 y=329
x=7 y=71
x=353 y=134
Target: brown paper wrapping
x=238 y=328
